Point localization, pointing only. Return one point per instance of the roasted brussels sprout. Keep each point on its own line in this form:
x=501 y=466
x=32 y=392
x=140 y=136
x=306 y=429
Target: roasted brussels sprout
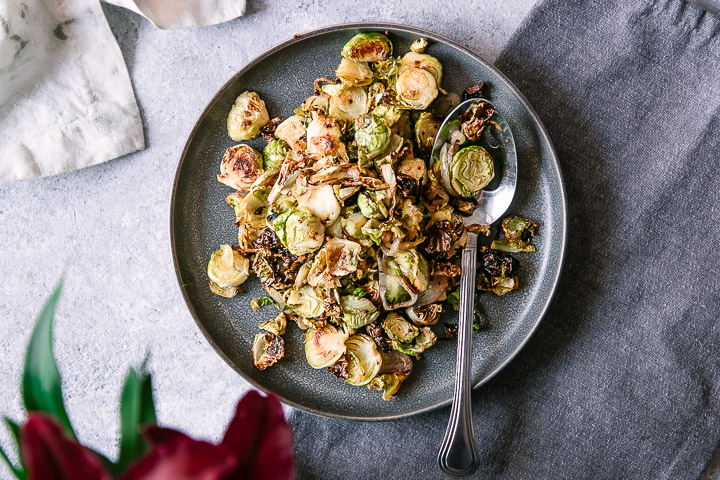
x=368 y=47
x=412 y=266
x=363 y=359
x=299 y=230
x=354 y=73
x=357 y=311
x=246 y=117
x=372 y=136
x=240 y=167
x=323 y=136
x=342 y=256
x=292 y=131
x=372 y=204
x=324 y=345
x=423 y=61
x=519 y=233
x=424 y=315
x=389 y=383
x=346 y=102
x=267 y=349
x=416 y=87
x=321 y=201
x=276 y=325
x=227 y=268
x=424 y=340
x=397 y=294
x=471 y=170
x=250 y=210
x=426 y=128
x=274 y=154
x=397 y=328
x=305 y=302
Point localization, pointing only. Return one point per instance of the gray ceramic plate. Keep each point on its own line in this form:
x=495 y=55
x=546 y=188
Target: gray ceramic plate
x=200 y=221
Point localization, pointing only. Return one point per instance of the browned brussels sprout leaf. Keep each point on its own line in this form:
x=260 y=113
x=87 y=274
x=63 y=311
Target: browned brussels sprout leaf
x=267 y=349
x=389 y=383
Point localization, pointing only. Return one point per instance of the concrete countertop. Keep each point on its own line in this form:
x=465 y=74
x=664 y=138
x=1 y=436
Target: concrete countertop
x=107 y=226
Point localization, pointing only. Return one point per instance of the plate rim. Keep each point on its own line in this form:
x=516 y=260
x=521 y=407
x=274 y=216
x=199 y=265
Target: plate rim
x=369 y=26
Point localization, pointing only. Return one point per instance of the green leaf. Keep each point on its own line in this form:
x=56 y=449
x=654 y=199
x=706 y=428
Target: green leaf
x=19 y=472
x=136 y=408
x=41 y=387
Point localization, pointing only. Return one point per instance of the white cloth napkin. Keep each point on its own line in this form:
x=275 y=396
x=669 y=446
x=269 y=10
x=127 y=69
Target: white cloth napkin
x=66 y=101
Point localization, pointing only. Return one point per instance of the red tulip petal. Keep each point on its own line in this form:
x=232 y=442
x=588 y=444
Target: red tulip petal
x=156 y=436
x=49 y=454
x=261 y=439
x=183 y=459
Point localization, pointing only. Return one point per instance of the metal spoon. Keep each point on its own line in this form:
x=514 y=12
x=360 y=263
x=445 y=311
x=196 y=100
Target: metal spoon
x=458 y=456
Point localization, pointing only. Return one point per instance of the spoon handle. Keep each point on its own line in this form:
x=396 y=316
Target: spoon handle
x=458 y=456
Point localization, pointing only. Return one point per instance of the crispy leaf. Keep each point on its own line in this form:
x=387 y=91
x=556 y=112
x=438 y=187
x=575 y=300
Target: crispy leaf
x=179 y=457
x=41 y=388
x=136 y=409
x=261 y=438
x=49 y=453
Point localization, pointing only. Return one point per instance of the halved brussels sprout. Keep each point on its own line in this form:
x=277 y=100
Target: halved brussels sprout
x=368 y=47
x=240 y=167
x=424 y=315
x=267 y=349
x=299 y=230
x=372 y=136
x=353 y=224
x=424 y=340
x=363 y=359
x=292 y=130
x=277 y=325
x=372 y=204
x=323 y=136
x=357 y=311
x=346 y=102
x=250 y=210
x=416 y=87
x=472 y=170
x=389 y=383
x=342 y=256
x=388 y=113
x=246 y=117
x=305 y=302
x=519 y=233
x=426 y=128
x=321 y=202
x=424 y=61
x=397 y=328
x=274 y=154
x=412 y=266
x=324 y=345
x=227 y=268
x=397 y=294
x=354 y=73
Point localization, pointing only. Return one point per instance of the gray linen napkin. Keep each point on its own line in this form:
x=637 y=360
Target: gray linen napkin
x=622 y=378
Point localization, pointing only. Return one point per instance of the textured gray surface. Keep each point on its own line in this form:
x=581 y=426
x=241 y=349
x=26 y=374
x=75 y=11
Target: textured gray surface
x=203 y=221
x=108 y=225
